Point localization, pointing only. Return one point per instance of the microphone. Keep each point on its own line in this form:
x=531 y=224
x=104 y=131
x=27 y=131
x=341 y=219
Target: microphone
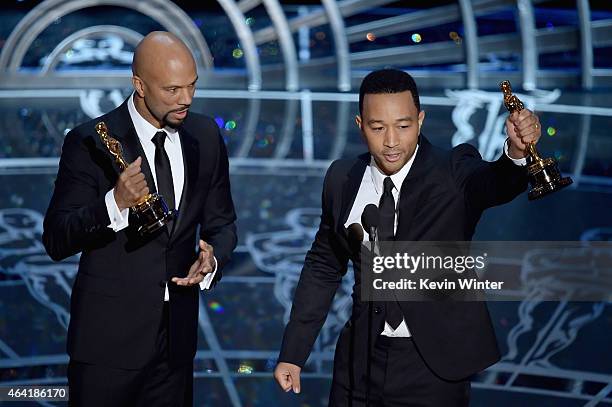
x=369 y=219
x=355 y=234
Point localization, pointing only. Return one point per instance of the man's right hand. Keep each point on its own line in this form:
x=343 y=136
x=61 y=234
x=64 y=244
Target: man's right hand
x=131 y=186
x=288 y=376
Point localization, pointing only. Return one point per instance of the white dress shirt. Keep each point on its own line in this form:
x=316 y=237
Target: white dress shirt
x=370 y=192
x=172 y=145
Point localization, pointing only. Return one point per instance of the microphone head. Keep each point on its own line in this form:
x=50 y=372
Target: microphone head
x=370 y=217
x=355 y=234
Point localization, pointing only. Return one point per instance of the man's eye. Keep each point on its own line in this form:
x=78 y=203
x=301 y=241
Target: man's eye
x=172 y=90
x=378 y=128
x=404 y=127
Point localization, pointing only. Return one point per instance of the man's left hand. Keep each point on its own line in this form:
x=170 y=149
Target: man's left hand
x=204 y=265
x=522 y=128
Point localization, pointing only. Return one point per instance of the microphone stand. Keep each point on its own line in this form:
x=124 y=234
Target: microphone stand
x=372 y=238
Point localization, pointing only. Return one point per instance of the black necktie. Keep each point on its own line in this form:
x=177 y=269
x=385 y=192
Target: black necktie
x=386 y=233
x=386 y=208
x=163 y=172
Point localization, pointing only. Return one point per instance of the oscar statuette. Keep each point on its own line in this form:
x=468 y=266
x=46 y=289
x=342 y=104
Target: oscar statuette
x=151 y=212
x=544 y=174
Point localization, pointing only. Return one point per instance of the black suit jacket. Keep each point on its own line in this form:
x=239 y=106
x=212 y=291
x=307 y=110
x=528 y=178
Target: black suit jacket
x=442 y=199
x=117 y=298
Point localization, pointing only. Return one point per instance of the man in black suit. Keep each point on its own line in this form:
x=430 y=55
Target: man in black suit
x=401 y=353
x=134 y=305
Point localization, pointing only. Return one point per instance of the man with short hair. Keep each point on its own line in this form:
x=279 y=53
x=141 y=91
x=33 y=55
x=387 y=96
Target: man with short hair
x=421 y=353
x=134 y=305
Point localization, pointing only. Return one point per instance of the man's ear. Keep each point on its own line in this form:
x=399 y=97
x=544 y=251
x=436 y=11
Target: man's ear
x=138 y=85
x=358 y=122
x=421 y=118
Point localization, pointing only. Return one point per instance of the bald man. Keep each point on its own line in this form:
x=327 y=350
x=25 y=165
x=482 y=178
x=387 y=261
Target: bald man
x=134 y=306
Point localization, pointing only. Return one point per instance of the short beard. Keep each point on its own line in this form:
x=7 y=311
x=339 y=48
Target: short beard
x=164 y=121
x=173 y=125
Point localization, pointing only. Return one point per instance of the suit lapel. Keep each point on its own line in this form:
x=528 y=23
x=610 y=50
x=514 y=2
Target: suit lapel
x=350 y=189
x=191 y=163
x=412 y=190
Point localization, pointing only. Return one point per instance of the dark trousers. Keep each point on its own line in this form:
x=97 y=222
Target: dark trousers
x=400 y=377
x=158 y=384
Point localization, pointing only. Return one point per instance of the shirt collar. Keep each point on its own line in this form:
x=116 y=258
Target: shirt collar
x=378 y=177
x=146 y=130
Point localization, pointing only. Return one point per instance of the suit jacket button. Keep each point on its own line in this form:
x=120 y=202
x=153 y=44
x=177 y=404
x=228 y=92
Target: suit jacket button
x=162 y=283
x=377 y=310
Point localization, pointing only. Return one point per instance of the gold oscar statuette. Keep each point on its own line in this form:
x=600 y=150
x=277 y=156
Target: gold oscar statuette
x=544 y=174
x=151 y=212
